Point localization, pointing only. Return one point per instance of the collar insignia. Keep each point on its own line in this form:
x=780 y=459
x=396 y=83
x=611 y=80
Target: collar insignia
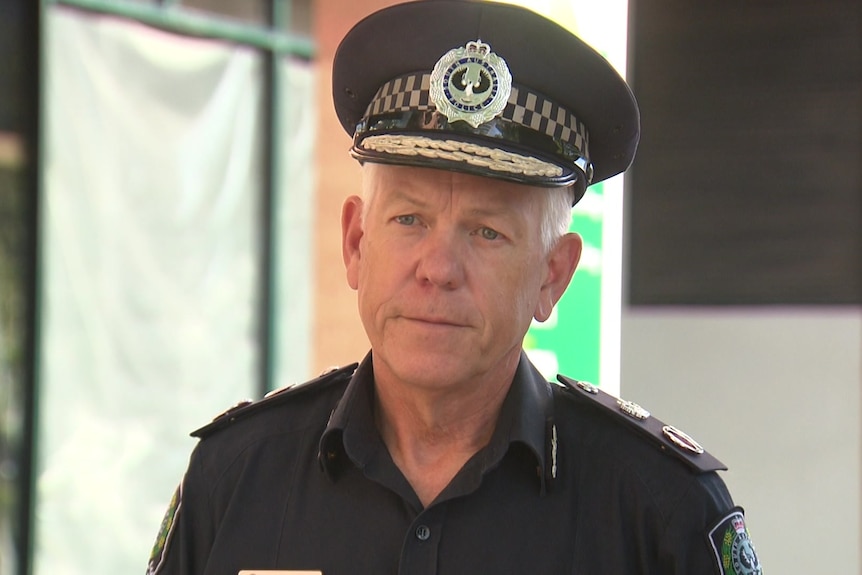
x=471 y=84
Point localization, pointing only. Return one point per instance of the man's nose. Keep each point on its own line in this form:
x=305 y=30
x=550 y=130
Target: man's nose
x=441 y=259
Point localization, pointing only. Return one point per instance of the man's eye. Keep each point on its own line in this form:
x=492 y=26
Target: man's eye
x=406 y=220
x=489 y=234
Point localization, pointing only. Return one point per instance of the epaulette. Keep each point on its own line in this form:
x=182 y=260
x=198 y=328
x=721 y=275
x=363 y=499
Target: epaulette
x=276 y=397
x=666 y=437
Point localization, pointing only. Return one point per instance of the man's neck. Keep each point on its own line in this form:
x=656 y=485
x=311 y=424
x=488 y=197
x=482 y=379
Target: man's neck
x=431 y=434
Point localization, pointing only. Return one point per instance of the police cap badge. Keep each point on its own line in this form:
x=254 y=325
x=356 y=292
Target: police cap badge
x=485 y=88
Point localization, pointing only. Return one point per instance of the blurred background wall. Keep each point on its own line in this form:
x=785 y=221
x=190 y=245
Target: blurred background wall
x=742 y=322
x=215 y=181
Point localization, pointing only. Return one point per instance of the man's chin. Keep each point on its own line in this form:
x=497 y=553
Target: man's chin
x=427 y=366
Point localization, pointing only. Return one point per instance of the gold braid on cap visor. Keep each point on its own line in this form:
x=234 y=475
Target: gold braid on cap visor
x=542 y=139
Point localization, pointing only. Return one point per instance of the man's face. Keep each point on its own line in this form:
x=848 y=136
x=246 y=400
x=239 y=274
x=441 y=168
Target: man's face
x=449 y=270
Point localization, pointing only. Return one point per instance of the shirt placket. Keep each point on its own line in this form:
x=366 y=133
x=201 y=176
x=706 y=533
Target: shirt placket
x=421 y=547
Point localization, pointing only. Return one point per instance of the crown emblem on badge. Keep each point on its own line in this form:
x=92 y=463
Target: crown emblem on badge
x=471 y=84
x=477 y=48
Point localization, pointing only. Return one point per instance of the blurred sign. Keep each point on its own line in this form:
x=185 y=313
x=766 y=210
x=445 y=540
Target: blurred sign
x=582 y=337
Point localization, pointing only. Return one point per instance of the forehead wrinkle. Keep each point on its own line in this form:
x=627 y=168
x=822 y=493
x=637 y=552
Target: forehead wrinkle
x=400 y=194
x=419 y=192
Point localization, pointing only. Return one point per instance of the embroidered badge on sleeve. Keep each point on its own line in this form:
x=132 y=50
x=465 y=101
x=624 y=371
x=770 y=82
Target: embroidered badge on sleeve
x=733 y=548
x=157 y=555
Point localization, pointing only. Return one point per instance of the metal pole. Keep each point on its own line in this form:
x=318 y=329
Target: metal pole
x=31 y=190
x=277 y=19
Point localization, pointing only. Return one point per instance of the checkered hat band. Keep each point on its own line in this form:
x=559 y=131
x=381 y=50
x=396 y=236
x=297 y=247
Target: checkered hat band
x=525 y=107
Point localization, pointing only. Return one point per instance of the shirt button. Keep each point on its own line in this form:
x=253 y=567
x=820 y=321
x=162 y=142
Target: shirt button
x=423 y=533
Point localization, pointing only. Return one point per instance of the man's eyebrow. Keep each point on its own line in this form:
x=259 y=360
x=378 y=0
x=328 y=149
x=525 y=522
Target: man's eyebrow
x=401 y=193
x=492 y=210
x=495 y=209
x=404 y=193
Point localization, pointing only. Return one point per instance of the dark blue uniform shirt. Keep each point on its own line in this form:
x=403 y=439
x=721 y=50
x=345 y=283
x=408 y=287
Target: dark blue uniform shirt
x=305 y=482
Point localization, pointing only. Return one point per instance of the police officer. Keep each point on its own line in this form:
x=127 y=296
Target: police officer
x=478 y=126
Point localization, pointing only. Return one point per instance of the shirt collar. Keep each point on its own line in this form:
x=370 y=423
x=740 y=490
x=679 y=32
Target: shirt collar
x=526 y=417
x=529 y=411
x=354 y=412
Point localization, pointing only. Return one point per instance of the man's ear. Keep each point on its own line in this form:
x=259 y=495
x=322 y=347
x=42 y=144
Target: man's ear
x=351 y=234
x=561 y=264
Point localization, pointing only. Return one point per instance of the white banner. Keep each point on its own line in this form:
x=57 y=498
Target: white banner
x=150 y=270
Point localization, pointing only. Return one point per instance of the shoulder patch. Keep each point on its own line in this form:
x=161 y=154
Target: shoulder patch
x=166 y=529
x=732 y=545
x=668 y=438
x=276 y=397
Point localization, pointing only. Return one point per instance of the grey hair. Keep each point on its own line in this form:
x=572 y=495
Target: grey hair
x=556 y=215
x=556 y=210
